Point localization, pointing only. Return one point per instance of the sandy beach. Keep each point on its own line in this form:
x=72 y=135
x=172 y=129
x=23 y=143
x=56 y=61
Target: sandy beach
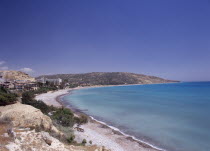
x=50 y=98
x=99 y=133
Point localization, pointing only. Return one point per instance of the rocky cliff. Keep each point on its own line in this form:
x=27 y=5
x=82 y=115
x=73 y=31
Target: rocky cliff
x=16 y=75
x=18 y=131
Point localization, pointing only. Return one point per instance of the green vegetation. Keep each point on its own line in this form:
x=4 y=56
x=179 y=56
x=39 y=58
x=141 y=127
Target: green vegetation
x=64 y=117
x=73 y=85
x=7 y=97
x=44 y=90
x=70 y=139
x=84 y=141
x=28 y=98
x=81 y=120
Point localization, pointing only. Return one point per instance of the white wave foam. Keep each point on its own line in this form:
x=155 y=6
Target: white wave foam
x=133 y=137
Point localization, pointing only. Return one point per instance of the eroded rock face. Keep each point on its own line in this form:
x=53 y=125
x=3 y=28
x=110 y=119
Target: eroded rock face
x=42 y=141
x=22 y=115
x=19 y=136
x=37 y=141
x=16 y=75
x=47 y=138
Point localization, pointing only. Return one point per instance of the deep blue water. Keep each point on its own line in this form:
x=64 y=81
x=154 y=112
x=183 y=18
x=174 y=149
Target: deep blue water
x=171 y=116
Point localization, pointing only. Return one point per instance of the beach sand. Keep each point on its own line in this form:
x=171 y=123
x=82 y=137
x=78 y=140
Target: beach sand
x=97 y=132
x=50 y=98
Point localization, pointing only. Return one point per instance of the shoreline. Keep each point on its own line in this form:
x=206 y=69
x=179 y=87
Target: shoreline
x=119 y=140
x=129 y=137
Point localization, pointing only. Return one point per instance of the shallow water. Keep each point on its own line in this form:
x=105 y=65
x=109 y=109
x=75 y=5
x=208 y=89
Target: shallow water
x=174 y=117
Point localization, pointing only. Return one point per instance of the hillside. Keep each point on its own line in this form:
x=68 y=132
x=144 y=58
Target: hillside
x=25 y=128
x=16 y=75
x=108 y=78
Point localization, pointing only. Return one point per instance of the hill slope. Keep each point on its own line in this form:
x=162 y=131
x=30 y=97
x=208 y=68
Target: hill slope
x=108 y=78
x=16 y=75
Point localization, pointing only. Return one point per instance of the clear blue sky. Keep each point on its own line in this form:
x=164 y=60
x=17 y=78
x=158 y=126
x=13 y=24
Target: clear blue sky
x=166 y=38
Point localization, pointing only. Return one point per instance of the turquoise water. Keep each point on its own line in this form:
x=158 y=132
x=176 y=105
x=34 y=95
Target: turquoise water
x=174 y=117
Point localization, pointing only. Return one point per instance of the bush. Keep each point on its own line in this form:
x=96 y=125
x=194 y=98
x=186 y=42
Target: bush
x=64 y=117
x=6 y=97
x=28 y=98
x=71 y=139
x=90 y=142
x=3 y=90
x=81 y=120
x=44 y=90
x=73 y=85
x=84 y=141
x=41 y=105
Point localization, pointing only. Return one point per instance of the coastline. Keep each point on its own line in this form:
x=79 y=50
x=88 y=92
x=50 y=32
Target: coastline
x=98 y=132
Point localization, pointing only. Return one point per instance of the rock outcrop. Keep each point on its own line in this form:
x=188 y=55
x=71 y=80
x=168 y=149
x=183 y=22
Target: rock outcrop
x=16 y=134
x=16 y=75
x=22 y=115
x=41 y=141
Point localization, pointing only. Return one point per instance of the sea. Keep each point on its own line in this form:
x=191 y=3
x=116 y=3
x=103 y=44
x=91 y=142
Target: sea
x=173 y=116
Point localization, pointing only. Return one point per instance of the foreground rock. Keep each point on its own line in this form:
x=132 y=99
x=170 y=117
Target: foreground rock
x=39 y=141
x=22 y=115
x=16 y=134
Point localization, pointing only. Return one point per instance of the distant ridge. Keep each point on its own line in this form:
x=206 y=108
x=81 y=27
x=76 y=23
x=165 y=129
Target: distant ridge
x=108 y=78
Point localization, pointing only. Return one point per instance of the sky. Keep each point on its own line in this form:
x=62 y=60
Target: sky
x=165 y=38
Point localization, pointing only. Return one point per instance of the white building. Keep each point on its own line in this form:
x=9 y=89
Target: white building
x=57 y=81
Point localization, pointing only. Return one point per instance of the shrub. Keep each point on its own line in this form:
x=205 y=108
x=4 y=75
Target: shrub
x=81 y=120
x=90 y=142
x=41 y=105
x=3 y=90
x=84 y=141
x=28 y=98
x=64 y=117
x=73 y=85
x=77 y=120
x=6 y=97
x=71 y=139
x=44 y=90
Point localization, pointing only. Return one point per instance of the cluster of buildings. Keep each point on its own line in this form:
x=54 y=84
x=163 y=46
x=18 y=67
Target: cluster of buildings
x=44 y=80
x=21 y=85
x=18 y=85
